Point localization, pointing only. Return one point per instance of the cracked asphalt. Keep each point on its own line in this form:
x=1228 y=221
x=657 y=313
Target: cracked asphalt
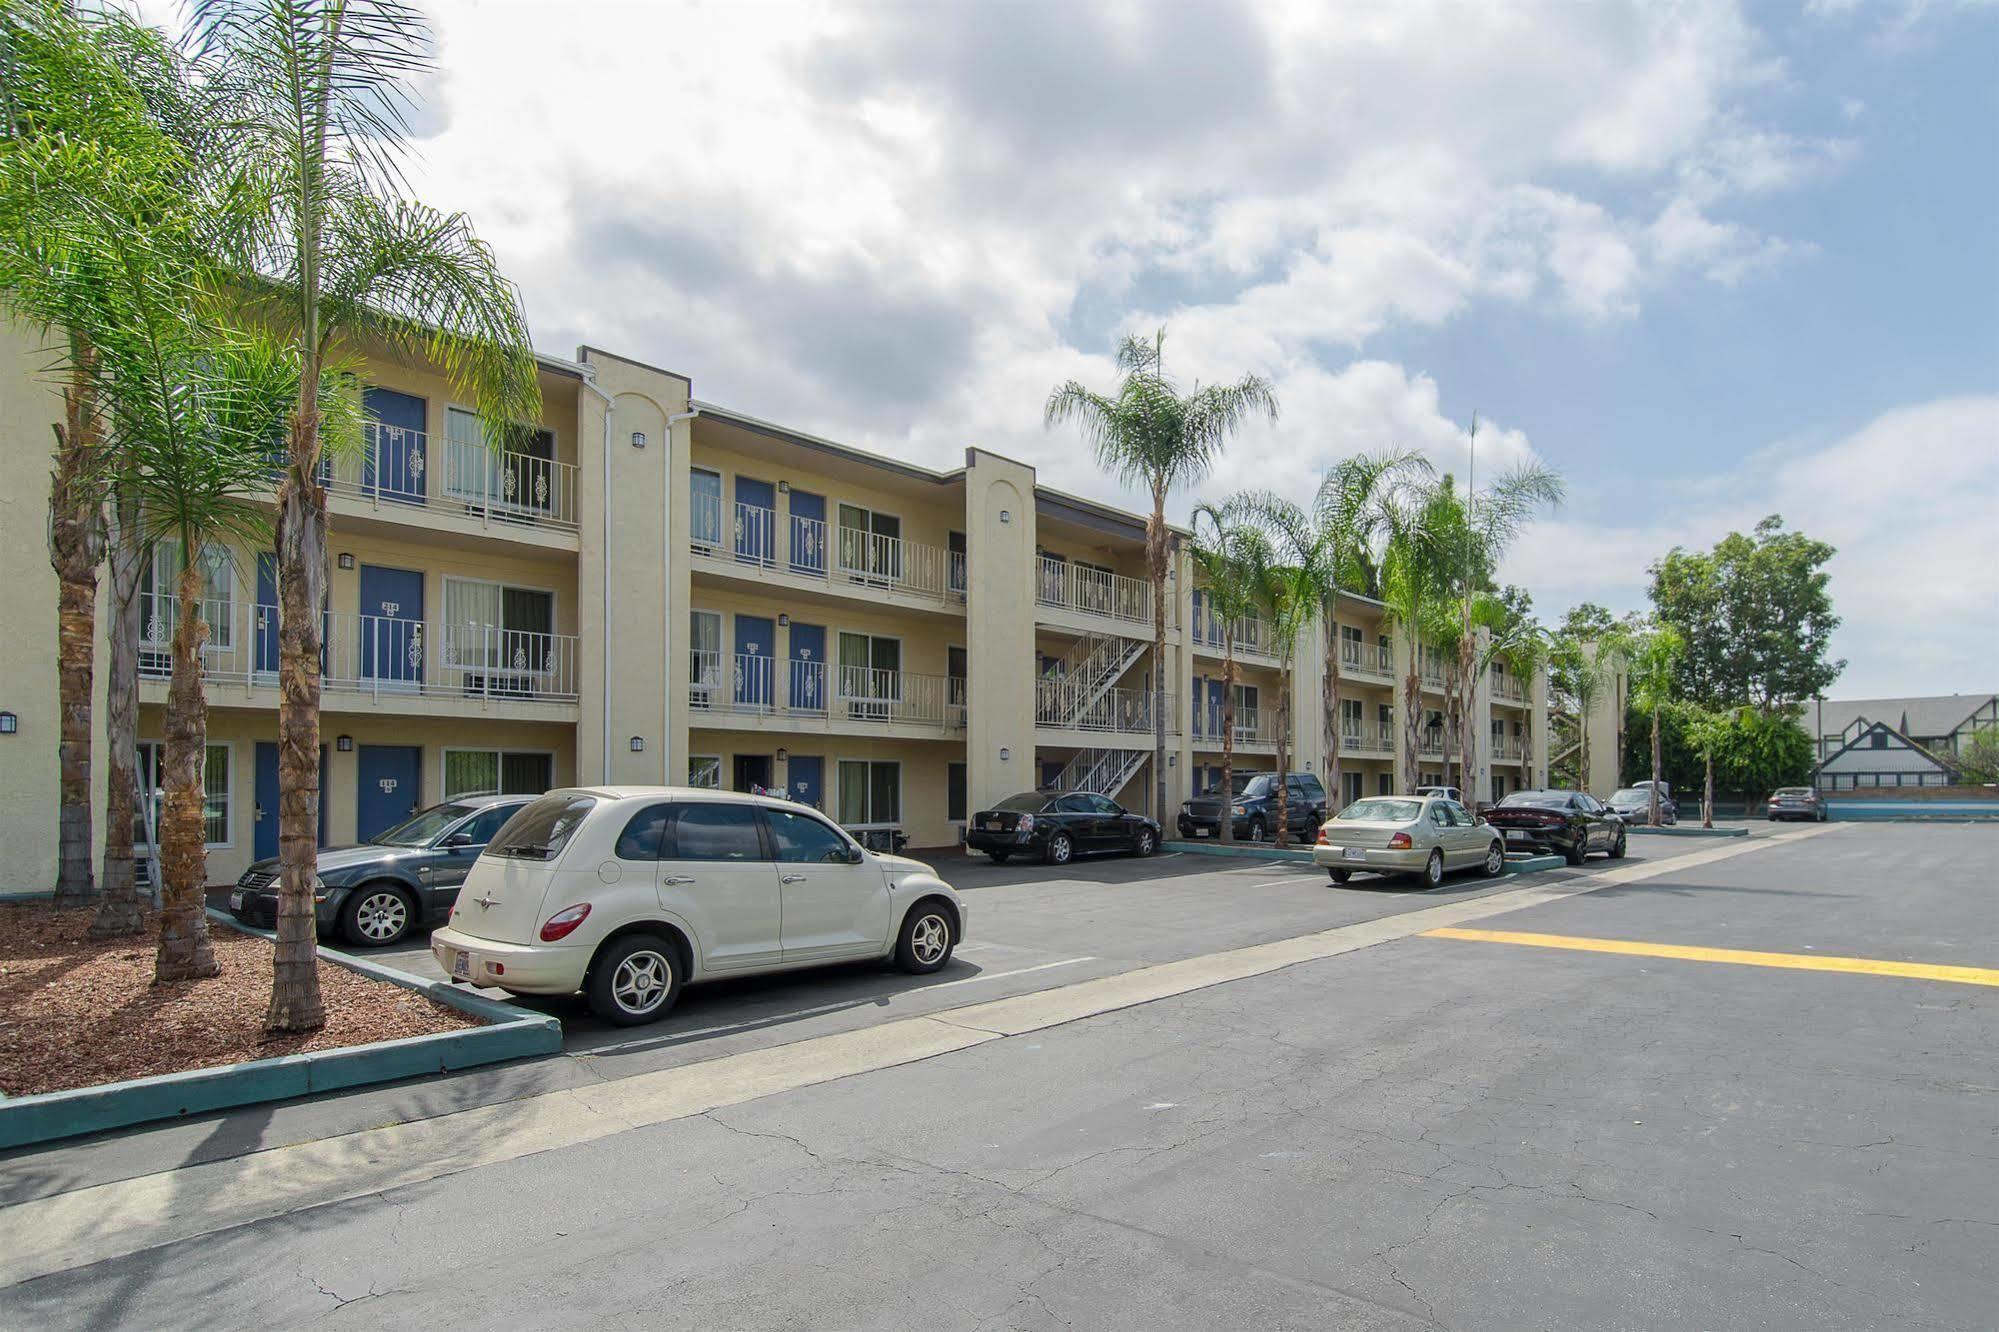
x=1429 y=1132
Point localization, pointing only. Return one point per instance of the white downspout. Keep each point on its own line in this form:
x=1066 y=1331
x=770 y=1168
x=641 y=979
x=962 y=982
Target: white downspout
x=604 y=646
x=666 y=619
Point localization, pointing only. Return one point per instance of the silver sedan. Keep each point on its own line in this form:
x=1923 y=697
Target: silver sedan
x=1422 y=835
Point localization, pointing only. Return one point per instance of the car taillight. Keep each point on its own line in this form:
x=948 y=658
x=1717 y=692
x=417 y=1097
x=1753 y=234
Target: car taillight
x=1323 y=839
x=1400 y=842
x=562 y=922
x=1026 y=822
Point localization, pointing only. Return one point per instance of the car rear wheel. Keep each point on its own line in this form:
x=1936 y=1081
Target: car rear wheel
x=1144 y=844
x=1617 y=847
x=1258 y=830
x=634 y=981
x=926 y=940
x=1575 y=853
x=1060 y=849
x=1433 y=870
x=999 y=857
x=1339 y=875
x=376 y=915
x=1495 y=860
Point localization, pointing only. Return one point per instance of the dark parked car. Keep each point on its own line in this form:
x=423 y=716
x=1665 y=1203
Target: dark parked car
x=1058 y=826
x=1798 y=802
x=1254 y=808
x=1570 y=824
x=376 y=892
x=1633 y=804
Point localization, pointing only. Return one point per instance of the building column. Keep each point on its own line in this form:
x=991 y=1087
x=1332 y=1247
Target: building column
x=1478 y=782
x=999 y=624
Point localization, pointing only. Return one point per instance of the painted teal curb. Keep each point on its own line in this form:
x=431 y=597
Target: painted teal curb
x=514 y=1034
x=1636 y=829
x=1250 y=851
x=1532 y=864
x=45 y=895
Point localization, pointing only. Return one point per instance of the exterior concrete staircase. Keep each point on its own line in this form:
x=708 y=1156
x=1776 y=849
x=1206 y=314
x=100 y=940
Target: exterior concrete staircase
x=1102 y=772
x=1088 y=671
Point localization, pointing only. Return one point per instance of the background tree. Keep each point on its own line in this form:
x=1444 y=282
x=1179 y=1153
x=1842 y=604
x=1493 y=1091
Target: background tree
x=317 y=98
x=1586 y=655
x=1756 y=614
x=1979 y=759
x=1232 y=559
x=1654 y=657
x=1415 y=581
x=1151 y=436
x=1709 y=731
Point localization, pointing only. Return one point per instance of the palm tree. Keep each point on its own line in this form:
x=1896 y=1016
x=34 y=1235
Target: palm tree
x=318 y=101
x=1414 y=580
x=1525 y=652
x=1709 y=731
x=1231 y=558
x=1655 y=661
x=1587 y=666
x=1150 y=435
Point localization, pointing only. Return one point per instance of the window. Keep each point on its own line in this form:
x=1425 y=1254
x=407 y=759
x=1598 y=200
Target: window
x=159 y=596
x=704 y=673
x=496 y=772
x=540 y=830
x=870 y=543
x=491 y=627
x=955 y=559
x=870 y=672
x=216 y=797
x=1103 y=805
x=954 y=792
x=705 y=771
x=1384 y=784
x=711 y=830
x=641 y=837
x=804 y=840
x=704 y=519
x=480 y=828
x=870 y=793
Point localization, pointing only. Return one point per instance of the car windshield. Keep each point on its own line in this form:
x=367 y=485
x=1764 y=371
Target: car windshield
x=1027 y=802
x=422 y=828
x=1258 y=788
x=1794 y=790
x=1382 y=811
x=1536 y=800
x=1630 y=793
x=539 y=831
x=1237 y=782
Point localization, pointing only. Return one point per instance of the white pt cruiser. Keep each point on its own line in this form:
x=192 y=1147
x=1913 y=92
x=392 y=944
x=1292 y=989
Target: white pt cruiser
x=627 y=893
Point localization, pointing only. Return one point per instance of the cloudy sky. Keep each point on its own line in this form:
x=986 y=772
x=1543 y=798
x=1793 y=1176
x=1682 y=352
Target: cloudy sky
x=1709 y=261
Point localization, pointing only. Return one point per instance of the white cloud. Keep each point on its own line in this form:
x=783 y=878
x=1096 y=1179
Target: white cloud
x=1907 y=500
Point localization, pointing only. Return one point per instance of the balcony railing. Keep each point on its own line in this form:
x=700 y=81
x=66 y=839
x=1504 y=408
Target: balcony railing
x=397 y=465
x=1361 y=738
x=373 y=654
x=1508 y=687
x=1061 y=703
x=1432 y=670
x=815 y=549
x=1506 y=751
x=1253 y=726
x=1065 y=586
x=1252 y=635
x=1369 y=659
x=745 y=683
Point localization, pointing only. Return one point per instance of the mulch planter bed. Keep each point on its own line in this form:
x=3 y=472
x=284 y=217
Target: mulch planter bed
x=76 y=1012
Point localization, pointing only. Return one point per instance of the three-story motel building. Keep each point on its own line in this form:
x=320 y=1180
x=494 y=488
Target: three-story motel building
x=645 y=587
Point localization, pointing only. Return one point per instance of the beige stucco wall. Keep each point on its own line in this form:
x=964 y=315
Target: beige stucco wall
x=999 y=603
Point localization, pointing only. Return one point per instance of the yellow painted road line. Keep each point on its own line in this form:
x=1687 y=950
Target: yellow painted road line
x=1859 y=966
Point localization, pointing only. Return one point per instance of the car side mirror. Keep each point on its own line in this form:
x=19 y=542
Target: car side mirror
x=855 y=855
x=458 y=841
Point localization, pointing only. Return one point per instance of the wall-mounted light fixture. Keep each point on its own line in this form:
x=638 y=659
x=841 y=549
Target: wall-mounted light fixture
x=638 y=439
x=346 y=560
x=783 y=755
x=1006 y=516
x=1005 y=753
x=345 y=744
x=9 y=723
x=783 y=619
x=784 y=487
x=638 y=744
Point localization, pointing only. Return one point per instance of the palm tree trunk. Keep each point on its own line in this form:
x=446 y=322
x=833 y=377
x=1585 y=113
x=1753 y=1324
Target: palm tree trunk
x=1652 y=813
x=1707 y=794
x=1467 y=697
x=76 y=545
x=1332 y=701
x=184 y=952
x=120 y=912
x=1412 y=717
x=1284 y=755
x=1155 y=556
x=295 y=998
x=1226 y=828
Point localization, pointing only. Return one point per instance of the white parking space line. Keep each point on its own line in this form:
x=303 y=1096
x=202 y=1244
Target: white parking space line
x=1002 y=975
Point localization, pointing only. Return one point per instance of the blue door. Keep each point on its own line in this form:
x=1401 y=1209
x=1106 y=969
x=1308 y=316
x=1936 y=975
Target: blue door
x=755 y=652
x=756 y=522
x=264 y=619
x=266 y=813
x=807 y=687
x=395 y=460
x=391 y=626
x=387 y=787
x=1216 y=693
x=808 y=533
x=805 y=778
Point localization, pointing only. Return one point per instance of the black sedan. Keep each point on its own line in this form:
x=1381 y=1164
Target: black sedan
x=1570 y=824
x=1058 y=826
x=377 y=892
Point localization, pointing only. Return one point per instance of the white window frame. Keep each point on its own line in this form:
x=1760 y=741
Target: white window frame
x=872 y=824
x=708 y=690
x=166 y=593
x=894 y=695
x=894 y=575
x=538 y=669
x=158 y=750
x=499 y=754
x=709 y=544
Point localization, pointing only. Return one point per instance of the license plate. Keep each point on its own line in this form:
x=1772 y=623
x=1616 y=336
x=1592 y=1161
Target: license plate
x=236 y=900
x=1515 y=835
x=461 y=965
x=1200 y=832
x=1353 y=852
x=992 y=825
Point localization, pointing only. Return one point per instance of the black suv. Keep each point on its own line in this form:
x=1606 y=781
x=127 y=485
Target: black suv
x=1255 y=808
